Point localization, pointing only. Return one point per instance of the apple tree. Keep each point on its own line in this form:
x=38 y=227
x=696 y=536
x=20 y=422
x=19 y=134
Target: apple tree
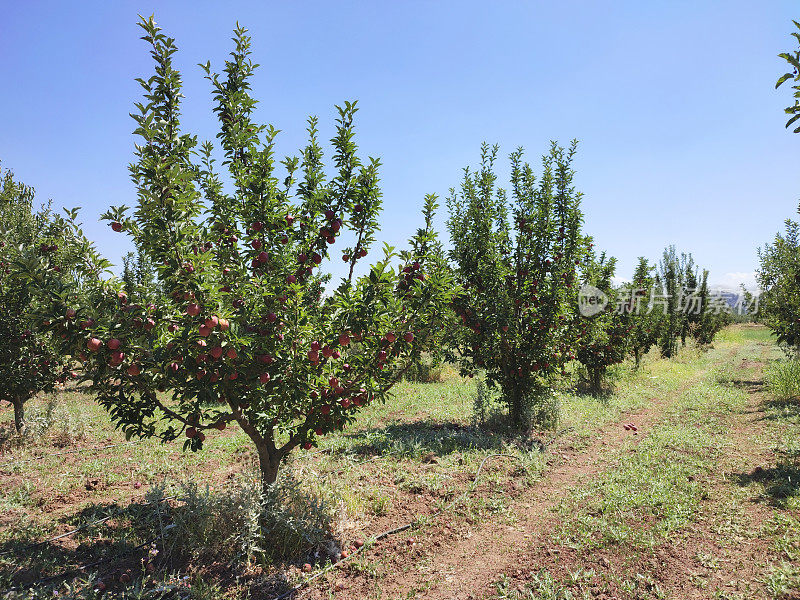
x=638 y=311
x=779 y=269
x=248 y=329
x=779 y=278
x=515 y=254
x=39 y=242
x=601 y=339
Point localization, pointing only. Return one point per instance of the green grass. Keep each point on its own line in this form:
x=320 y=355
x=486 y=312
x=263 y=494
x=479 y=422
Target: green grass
x=384 y=461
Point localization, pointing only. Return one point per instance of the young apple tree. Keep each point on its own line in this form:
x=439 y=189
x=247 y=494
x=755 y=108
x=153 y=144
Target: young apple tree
x=32 y=241
x=515 y=254
x=779 y=278
x=246 y=331
x=602 y=338
x=638 y=311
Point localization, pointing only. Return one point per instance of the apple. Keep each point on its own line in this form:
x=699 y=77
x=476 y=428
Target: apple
x=216 y=352
x=257 y=226
x=231 y=353
x=212 y=322
x=70 y=314
x=344 y=339
x=94 y=344
x=224 y=324
x=201 y=373
x=116 y=226
x=308 y=446
x=134 y=370
x=336 y=355
x=382 y=355
x=221 y=425
x=271 y=317
x=114 y=343
x=256 y=244
x=408 y=336
x=390 y=337
x=327 y=351
x=149 y=324
x=291 y=279
x=264 y=378
x=316 y=258
x=204 y=330
x=193 y=310
x=290 y=218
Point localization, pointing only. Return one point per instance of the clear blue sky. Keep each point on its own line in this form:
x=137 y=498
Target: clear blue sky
x=681 y=132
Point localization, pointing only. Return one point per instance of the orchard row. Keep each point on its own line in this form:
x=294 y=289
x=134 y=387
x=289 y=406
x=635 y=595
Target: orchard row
x=225 y=314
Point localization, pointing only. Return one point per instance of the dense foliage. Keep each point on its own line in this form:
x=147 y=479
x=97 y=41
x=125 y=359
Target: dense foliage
x=32 y=241
x=602 y=338
x=779 y=278
x=246 y=331
x=516 y=253
x=636 y=302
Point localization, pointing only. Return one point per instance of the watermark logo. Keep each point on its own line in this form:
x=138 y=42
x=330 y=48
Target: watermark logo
x=591 y=300
x=628 y=300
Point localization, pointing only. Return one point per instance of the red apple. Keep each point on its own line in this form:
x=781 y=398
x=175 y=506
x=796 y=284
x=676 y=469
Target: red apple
x=70 y=314
x=224 y=324
x=216 y=351
x=390 y=337
x=94 y=344
x=116 y=226
x=212 y=322
x=344 y=339
x=232 y=354
x=134 y=370
x=114 y=343
x=193 y=310
x=408 y=336
x=264 y=378
x=204 y=330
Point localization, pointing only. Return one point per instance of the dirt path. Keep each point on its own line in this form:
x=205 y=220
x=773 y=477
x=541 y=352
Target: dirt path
x=446 y=564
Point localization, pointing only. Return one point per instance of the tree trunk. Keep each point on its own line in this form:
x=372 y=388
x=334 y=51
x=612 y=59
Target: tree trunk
x=269 y=465
x=637 y=358
x=596 y=380
x=19 y=414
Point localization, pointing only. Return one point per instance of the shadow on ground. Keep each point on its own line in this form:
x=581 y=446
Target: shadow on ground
x=781 y=482
x=408 y=440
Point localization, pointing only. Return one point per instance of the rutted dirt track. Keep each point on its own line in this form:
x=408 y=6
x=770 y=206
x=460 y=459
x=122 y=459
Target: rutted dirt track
x=450 y=562
x=466 y=564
